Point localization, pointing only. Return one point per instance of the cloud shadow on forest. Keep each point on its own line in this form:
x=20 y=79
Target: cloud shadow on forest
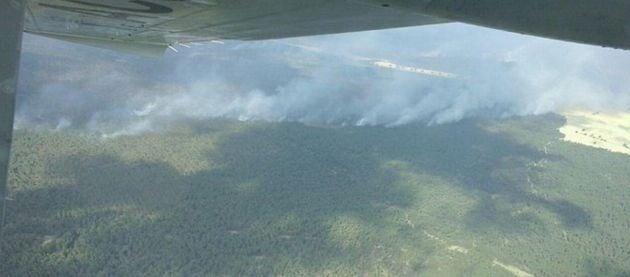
x=279 y=187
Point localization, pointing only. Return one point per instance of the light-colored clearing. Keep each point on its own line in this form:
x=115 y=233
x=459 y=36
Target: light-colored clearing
x=434 y=237
x=458 y=248
x=49 y=240
x=417 y=70
x=610 y=131
x=512 y=269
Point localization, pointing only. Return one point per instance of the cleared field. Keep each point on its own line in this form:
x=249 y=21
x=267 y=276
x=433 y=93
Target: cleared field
x=610 y=131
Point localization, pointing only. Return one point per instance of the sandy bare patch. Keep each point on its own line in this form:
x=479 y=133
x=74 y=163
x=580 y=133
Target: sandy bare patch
x=512 y=269
x=458 y=248
x=610 y=131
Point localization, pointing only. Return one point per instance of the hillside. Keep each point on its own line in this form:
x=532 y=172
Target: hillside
x=230 y=198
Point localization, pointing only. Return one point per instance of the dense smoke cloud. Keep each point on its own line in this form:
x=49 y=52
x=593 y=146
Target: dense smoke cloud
x=326 y=79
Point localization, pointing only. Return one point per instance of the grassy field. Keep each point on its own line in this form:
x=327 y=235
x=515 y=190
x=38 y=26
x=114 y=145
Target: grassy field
x=228 y=198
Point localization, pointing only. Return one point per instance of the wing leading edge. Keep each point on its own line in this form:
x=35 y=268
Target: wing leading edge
x=135 y=24
x=154 y=24
x=597 y=22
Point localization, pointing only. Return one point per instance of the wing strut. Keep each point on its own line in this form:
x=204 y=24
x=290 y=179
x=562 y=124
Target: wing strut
x=11 y=26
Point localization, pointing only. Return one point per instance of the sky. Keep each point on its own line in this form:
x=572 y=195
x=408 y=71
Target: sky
x=330 y=79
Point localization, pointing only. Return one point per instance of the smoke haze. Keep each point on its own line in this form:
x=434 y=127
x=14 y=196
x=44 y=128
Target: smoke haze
x=322 y=80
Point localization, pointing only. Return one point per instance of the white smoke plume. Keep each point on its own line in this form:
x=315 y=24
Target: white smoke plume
x=326 y=79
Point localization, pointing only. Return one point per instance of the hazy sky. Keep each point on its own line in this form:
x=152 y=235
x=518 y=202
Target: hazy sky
x=323 y=79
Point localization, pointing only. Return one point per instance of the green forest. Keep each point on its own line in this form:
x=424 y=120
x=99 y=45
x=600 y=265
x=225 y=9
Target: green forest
x=227 y=198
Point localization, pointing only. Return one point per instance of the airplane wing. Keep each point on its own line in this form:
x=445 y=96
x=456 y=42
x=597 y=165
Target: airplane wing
x=147 y=25
x=141 y=25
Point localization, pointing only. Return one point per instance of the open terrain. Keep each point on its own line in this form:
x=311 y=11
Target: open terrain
x=610 y=131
